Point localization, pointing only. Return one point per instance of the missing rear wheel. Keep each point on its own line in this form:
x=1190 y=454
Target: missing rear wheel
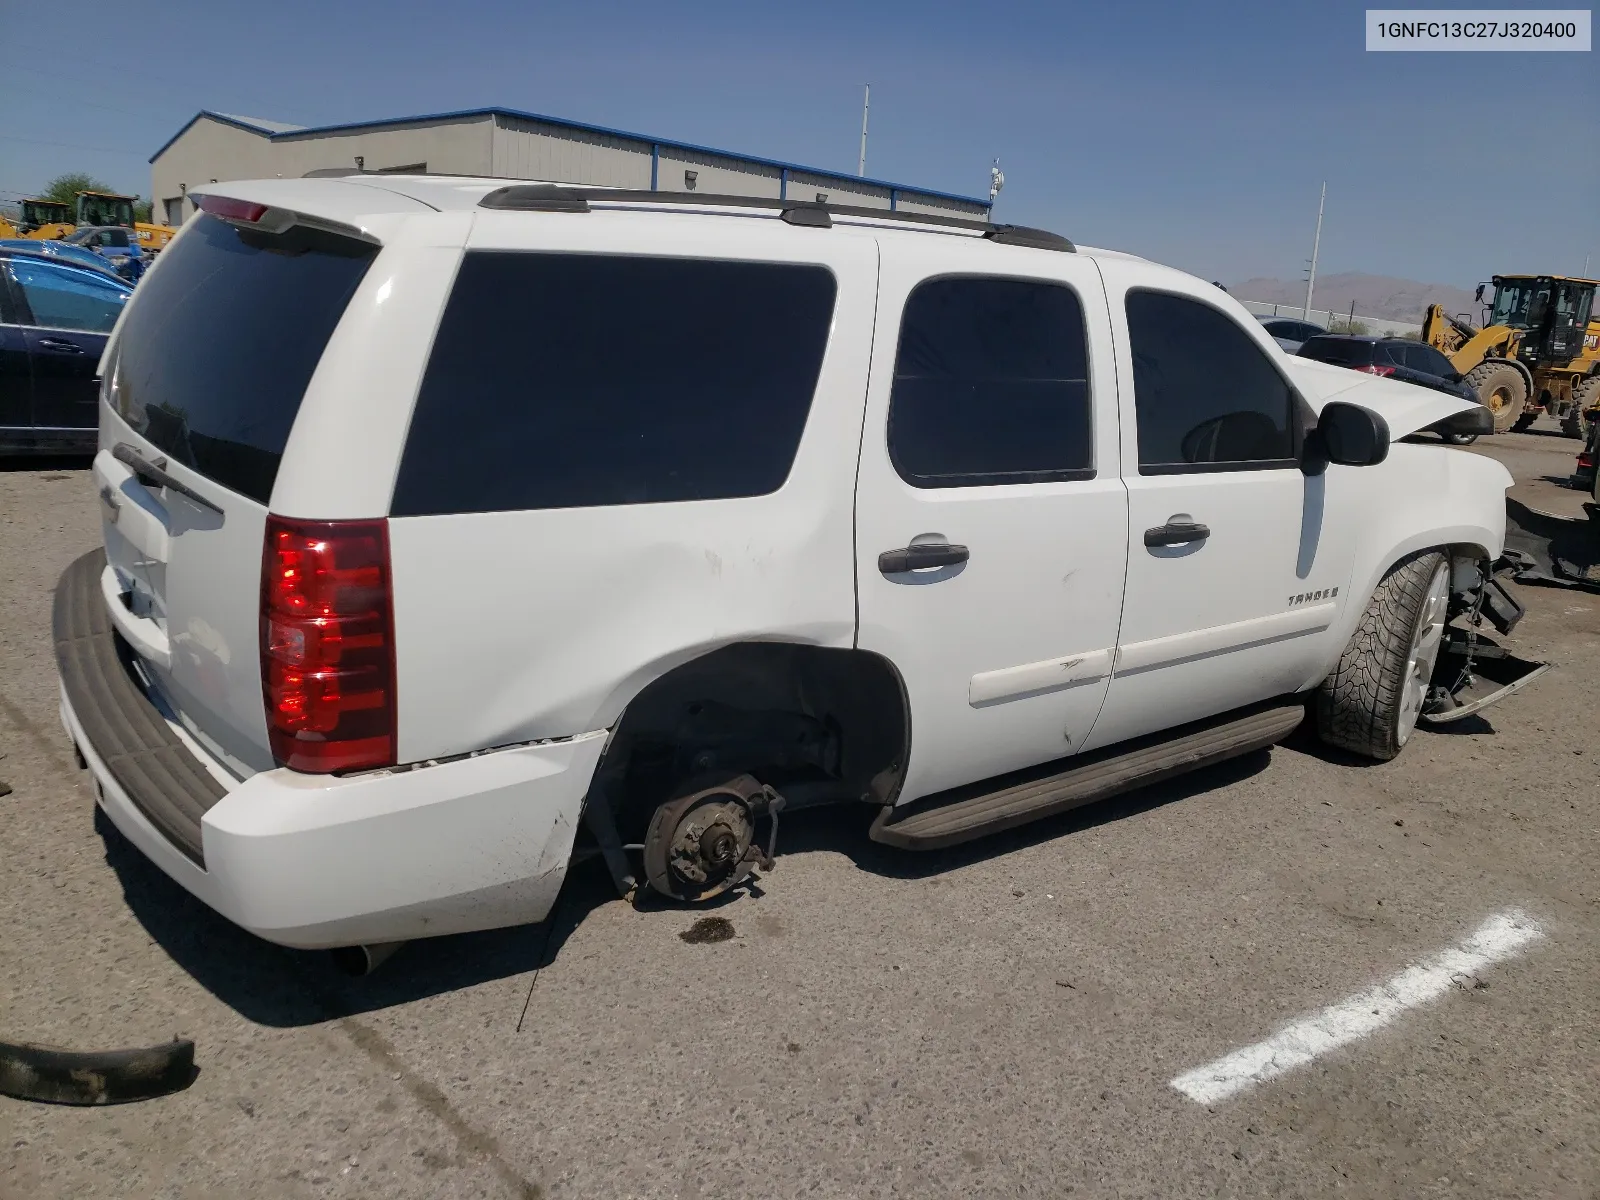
x=702 y=843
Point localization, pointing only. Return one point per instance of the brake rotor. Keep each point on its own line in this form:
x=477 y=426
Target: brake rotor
x=699 y=845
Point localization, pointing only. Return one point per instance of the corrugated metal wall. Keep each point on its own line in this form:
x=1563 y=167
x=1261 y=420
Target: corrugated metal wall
x=509 y=147
x=531 y=150
x=716 y=174
x=447 y=147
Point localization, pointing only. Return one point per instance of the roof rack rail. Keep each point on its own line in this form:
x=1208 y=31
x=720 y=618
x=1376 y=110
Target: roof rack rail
x=547 y=197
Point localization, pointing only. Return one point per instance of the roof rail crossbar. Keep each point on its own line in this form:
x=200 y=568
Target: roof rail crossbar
x=545 y=197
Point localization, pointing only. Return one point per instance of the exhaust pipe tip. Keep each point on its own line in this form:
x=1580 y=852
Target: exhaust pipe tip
x=360 y=961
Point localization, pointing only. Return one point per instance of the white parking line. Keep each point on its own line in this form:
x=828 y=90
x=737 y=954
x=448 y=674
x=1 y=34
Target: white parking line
x=1500 y=937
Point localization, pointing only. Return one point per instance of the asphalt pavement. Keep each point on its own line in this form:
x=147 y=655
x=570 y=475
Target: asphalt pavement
x=1007 y=1019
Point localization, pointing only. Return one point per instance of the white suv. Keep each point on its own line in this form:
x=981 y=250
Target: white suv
x=448 y=523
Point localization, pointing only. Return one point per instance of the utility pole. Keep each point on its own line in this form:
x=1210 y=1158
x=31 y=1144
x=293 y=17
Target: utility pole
x=866 y=103
x=1311 y=276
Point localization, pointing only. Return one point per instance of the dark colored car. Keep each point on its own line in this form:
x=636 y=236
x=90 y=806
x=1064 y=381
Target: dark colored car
x=1396 y=358
x=1585 y=477
x=54 y=320
x=1290 y=332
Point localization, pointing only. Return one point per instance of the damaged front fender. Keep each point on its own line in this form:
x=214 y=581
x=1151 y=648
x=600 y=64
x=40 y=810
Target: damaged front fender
x=1473 y=670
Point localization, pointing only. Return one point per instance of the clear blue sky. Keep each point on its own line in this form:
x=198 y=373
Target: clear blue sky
x=1193 y=134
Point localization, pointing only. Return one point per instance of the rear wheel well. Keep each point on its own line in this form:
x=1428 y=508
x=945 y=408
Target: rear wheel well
x=820 y=725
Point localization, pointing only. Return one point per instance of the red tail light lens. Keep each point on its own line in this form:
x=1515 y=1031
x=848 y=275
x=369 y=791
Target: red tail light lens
x=327 y=644
x=229 y=208
x=1586 y=460
x=1376 y=369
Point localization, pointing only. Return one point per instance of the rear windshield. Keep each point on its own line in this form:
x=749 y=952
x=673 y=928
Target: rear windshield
x=222 y=338
x=575 y=380
x=1337 y=350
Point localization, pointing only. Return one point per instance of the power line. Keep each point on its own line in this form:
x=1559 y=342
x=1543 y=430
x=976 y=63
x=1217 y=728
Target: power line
x=117 y=73
x=56 y=101
x=11 y=137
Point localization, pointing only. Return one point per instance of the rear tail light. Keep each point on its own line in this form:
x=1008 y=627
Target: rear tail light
x=1585 y=460
x=230 y=209
x=1376 y=369
x=327 y=644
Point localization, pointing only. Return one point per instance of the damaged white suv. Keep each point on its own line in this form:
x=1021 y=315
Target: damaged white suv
x=451 y=526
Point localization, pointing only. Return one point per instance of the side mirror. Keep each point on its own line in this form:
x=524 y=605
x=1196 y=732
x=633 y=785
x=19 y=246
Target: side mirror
x=1346 y=434
x=1478 y=295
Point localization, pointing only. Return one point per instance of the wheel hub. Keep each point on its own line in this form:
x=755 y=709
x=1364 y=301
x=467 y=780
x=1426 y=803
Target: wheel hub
x=701 y=844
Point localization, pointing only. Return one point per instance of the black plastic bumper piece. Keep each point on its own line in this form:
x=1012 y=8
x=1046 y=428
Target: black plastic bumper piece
x=101 y=1077
x=121 y=724
x=1500 y=606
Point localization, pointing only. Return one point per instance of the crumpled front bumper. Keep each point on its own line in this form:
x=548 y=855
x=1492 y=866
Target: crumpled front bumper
x=1473 y=670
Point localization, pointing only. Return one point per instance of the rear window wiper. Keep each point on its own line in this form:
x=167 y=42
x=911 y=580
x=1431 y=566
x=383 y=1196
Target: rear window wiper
x=156 y=473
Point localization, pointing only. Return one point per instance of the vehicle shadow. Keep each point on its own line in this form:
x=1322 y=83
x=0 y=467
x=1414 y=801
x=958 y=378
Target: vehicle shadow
x=279 y=987
x=846 y=830
x=36 y=463
x=275 y=986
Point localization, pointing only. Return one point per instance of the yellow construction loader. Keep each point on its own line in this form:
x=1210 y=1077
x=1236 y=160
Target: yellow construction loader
x=48 y=220
x=1538 y=349
x=42 y=219
x=107 y=208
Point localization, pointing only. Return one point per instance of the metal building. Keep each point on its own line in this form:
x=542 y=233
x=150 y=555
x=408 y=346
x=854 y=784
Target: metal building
x=503 y=143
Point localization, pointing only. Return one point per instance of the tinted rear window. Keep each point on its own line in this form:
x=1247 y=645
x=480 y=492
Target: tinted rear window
x=215 y=355
x=991 y=385
x=577 y=380
x=1338 y=350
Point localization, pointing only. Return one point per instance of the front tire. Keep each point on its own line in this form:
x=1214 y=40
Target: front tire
x=1501 y=389
x=1370 y=703
x=1585 y=399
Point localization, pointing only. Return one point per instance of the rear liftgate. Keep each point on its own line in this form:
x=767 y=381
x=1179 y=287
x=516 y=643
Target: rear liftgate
x=1473 y=671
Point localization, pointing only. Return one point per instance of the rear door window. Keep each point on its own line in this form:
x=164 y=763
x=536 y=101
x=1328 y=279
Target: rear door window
x=991 y=385
x=579 y=380
x=63 y=297
x=1206 y=396
x=215 y=357
x=1426 y=358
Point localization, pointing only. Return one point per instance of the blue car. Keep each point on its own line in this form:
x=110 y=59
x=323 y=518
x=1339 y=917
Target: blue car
x=55 y=316
x=64 y=250
x=114 y=244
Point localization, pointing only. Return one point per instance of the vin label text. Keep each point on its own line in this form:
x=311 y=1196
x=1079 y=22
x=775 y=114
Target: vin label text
x=1478 y=29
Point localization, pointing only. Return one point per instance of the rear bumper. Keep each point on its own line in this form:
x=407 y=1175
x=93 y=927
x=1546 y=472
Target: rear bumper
x=319 y=861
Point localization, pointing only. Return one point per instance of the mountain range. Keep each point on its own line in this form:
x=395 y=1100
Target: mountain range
x=1374 y=295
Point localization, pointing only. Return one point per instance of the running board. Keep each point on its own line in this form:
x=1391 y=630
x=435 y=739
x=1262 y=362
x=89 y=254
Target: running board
x=957 y=816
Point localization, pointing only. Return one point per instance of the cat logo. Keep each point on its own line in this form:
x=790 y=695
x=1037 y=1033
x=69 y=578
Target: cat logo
x=1312 y=597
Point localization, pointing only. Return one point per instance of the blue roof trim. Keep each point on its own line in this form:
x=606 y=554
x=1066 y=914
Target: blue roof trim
x=579 y=126
x=215 y=116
